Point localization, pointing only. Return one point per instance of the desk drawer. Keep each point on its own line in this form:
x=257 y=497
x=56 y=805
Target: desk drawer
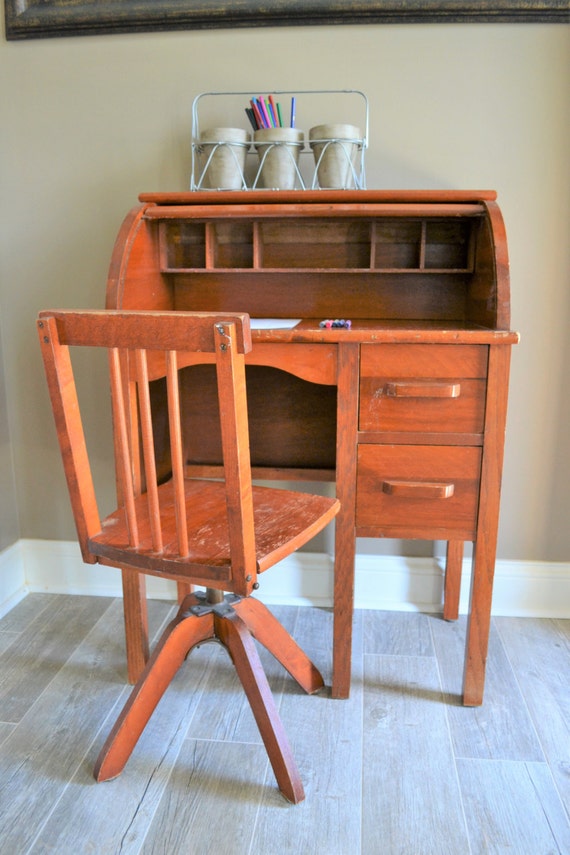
x=423 y=388
x=417 y=490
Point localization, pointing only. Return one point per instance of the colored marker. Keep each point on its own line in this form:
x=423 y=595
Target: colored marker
x=264 y=112
x=274 y=111
x=257 y=113
x=251 y=116
x=272 y=115
x=293 y=104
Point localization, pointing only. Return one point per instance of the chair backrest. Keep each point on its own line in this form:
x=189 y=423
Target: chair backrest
x=144 y=346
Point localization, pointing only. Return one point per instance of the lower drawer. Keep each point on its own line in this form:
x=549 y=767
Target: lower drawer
x=417 y=491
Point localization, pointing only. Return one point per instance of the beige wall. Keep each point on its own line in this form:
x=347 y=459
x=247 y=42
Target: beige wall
x=89 y=123
x=9 y=530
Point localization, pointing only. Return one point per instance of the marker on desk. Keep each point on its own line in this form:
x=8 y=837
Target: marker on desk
x=293 y=104
x=336 y=324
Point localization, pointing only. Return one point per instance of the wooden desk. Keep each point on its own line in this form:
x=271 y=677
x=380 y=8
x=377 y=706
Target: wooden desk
x=405 y=410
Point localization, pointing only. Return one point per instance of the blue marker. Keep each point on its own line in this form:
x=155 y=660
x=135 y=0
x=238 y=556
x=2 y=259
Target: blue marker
x=293 y=112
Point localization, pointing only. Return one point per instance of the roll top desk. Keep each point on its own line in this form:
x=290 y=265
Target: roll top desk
x=405 y=410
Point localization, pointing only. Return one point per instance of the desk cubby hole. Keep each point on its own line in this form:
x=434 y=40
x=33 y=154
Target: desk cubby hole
x=213 y=245
x=448 y=244
x=438 y=245
x=182 y=245
x=319 y=243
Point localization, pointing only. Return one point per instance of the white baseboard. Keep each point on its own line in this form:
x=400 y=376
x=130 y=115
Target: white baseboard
x=12 y=578
x=394 y=583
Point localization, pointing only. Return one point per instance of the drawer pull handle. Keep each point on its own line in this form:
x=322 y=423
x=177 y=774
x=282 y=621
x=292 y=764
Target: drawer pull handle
x=423 y=390
x=418 y=489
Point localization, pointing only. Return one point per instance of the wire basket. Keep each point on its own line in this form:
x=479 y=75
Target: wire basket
x=235 y=153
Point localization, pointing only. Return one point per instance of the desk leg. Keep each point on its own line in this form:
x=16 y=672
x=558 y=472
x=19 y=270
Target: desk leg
x=136 y=623
x=452 y=584
x=485 y=547
x=345 y=541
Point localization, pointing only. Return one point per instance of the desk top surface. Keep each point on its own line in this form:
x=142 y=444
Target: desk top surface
x=276 y=197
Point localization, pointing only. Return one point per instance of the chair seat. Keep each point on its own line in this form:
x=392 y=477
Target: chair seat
x=280 y=519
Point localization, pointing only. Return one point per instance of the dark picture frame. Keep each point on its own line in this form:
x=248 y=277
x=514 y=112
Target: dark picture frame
x=33 y=19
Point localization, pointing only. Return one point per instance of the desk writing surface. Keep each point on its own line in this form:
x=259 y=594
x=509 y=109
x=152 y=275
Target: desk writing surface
x=274 y=323
x=377 y=330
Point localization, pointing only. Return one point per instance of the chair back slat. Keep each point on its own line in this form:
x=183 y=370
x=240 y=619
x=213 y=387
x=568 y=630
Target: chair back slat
x=123 y=445
x=176 y=450
x=147 y=434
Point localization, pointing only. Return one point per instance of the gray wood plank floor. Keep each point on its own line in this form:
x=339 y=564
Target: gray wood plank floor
x=400 y=767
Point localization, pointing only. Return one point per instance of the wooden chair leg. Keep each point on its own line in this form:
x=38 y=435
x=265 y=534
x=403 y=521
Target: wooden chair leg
x=269 y=632
x=136 y=623
x=452 y=584
x=180 y=636
x=233 y=632
x=183 y=589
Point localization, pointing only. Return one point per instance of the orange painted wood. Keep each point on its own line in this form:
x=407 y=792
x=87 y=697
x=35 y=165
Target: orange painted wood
x=128 y=485
x=410 y=505
x=359 y=209
x=217 y=533
x=417 y=489
x=135 y=613
x=272 y=635
x=150 y=469
x=423 y=390
x=130 y=329
x=345 y=543
x=176 y=454
x=280 y=521
x=233 y=632
x=427 y=361
x=486 y=541
x=422 y=410
x=334 y=197
x=178 y=638
x=424 y=277
x=65 y=406
x=452 y=583
x=232 y=401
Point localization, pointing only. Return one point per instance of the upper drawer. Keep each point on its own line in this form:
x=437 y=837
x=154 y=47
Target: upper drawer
x=427 y=388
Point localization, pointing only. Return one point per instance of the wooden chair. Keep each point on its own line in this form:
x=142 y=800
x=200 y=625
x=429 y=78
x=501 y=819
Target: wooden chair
x=219 y=534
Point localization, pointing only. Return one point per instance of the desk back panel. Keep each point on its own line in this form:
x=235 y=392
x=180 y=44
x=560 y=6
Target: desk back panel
x=293 y=426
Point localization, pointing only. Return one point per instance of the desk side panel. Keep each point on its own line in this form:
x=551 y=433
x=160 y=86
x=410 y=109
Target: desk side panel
x=489 y=296
x=134 y=280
